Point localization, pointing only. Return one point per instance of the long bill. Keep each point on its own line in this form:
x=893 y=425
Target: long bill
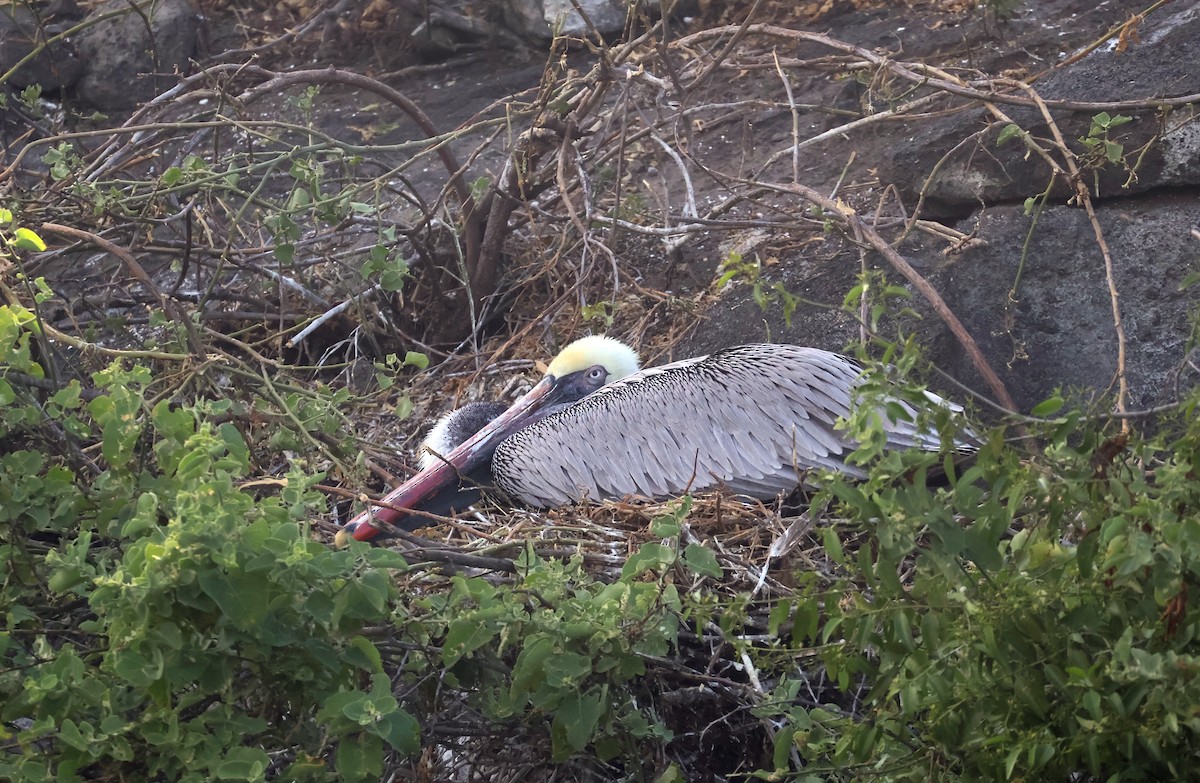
x=462 y=459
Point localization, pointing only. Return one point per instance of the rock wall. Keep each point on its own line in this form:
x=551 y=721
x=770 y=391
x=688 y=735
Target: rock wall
x=1058 y=329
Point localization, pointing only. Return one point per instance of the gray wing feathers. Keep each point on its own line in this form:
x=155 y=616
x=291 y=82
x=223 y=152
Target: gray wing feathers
x=752 y=419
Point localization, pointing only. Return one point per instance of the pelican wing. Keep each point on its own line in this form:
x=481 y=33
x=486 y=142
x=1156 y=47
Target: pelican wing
x=752 y=418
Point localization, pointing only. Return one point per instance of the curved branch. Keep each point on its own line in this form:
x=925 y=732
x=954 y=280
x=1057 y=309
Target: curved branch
x=913 y=276
x=922 y=74
x=168 y=305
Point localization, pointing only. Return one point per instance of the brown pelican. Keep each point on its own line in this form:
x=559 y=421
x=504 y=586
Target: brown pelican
x=751 y=419
x=455 y=427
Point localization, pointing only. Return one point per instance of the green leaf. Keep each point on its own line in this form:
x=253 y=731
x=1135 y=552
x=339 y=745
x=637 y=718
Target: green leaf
x=371 y=588
x=479 y=188
x=780 y=611
x=401 y=731
x=833 y=544
x=137 y=668
x=1008 y=133
x=173 y=422
x=70 y=734
x=361 y=652
x=702 y=561
x=665 y=526
x=68 y=397
x=243 y=764
x=237 y=594
x=336 y=705
x=669 y=524
x=393 y=279
x=672 y=774
x=65 y=579
x=1010 y=761
x=1040 y=755
x=529 y=669
x=981 y=544
x=575 y=721
x=566 y=669
x=467 y=635
x=25 y=239
x=806 y=621
x=359 y=758
x=782 y=747
x=381 y=557
x=1048 y=407
x=649 y=557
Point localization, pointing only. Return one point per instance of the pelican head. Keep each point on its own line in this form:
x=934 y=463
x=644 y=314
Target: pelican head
x=578 y=370
x=617 y=358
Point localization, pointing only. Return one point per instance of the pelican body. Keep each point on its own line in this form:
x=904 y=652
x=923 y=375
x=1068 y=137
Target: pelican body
x=751 y=419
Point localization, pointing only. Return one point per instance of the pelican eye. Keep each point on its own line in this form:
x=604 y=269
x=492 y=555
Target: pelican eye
x=597 y=373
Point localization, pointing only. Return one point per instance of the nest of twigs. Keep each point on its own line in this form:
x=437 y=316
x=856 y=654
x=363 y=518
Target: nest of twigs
x=705 y=690
x=756 y=544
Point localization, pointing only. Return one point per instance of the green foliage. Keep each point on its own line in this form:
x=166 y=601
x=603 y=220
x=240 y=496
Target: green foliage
x=1010 y=132
x=601 y=313
x=17 y=238
x=873 y=296
x=162 y=622
x=1068 y=647
x=388 y=264
x=560 y=644
x=1100 y=148
x=385 y=375
x=735 y=267
x=62 y=160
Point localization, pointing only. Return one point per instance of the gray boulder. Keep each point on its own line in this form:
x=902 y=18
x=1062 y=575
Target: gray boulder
x=136 y=55
x=24 y=27
x=1161 y=64
x=1057 y=330
x=544 y=18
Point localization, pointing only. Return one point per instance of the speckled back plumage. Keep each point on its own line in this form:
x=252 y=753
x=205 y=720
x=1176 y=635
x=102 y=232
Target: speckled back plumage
x=750 y=418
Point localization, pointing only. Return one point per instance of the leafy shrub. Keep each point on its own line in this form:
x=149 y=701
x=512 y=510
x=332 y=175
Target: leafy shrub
x=170 y=615
x=1047 y=630
x=160 y=620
